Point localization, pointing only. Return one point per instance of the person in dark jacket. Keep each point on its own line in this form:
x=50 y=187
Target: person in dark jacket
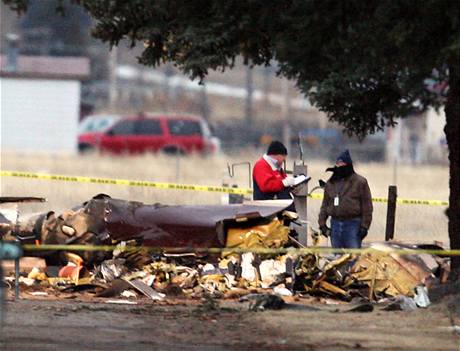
x=348 y=201
x=269 y=179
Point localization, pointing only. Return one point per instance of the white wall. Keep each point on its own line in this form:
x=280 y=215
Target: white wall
x=436 y=147
x=39 y=115
x=436 y=120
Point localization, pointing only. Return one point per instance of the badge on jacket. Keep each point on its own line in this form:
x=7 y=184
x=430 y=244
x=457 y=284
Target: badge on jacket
x=336 y=201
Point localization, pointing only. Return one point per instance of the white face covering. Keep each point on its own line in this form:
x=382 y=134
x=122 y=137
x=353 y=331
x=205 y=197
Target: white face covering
x=273 y=162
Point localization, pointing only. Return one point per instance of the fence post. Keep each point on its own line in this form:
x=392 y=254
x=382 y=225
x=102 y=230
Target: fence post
x=16 y=277
x=300 y=202
x=391 y=213
x=235 y=198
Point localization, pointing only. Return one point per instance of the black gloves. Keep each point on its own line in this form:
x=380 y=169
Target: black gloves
x=362 y=232
x=325 y=230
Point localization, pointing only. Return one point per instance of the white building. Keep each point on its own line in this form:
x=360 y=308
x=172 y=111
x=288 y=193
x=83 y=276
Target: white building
x=40 y=102
x=419 y=138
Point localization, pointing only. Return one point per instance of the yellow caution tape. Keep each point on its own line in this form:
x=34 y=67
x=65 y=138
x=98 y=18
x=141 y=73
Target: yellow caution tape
x=422 y=202
x=399 y=201
x=316 y=196
x=110 y=181
x=300 y=251
x=191 y=187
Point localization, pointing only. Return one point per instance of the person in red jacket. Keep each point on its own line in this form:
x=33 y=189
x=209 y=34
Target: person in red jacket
x=269 y=179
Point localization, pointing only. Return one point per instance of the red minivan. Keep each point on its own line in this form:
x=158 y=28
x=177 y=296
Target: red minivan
x=174 y=134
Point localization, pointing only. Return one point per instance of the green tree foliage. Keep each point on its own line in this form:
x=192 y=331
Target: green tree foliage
x=364 y=63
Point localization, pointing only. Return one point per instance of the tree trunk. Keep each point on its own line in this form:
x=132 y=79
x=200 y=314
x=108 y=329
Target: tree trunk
x=452 y=130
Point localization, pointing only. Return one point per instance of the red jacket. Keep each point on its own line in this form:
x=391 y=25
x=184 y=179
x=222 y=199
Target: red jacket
x=266 y=178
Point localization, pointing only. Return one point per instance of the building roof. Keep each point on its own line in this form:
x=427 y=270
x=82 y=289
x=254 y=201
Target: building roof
x=49 y=67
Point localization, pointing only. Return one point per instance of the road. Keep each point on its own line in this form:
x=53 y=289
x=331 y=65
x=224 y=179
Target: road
x=187 y=325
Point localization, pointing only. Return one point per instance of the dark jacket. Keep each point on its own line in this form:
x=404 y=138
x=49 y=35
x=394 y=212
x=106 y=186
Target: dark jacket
x=355 y=200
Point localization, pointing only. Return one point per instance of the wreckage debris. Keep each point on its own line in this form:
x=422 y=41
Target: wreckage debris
x=143 y=288
x=132 y=272
x=401 y=303
x=262 y=282
x=362 y=307
x=260 y=302
x=389 y=273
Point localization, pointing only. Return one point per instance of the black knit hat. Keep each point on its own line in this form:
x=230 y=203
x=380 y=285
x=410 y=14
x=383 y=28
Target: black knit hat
x=345 y=157
x=276 y=148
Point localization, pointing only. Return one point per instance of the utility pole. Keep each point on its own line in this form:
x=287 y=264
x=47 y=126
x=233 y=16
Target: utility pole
x=285 y=111
x=249 y=90
x=169 y=103
x=113 y=93
x=204 y=103
x=267 y=73
x=12 y=52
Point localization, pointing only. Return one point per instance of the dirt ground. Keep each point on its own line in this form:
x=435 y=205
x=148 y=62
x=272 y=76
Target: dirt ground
x=188 y=325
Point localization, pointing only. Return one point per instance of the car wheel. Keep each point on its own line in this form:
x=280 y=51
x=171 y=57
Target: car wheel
x=85 y=148
x=172 y=150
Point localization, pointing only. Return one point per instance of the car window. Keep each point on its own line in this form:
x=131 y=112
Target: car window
x=123 y=128
x=96 y=124
x=87 y=127
x=102 y=124
x=148 y=127
x=184 y=127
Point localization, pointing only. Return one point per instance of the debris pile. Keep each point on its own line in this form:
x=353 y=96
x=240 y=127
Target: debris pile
x=131 y=271
x=376 y=275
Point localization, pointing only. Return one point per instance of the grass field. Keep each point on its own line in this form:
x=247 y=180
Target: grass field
x=413 y=222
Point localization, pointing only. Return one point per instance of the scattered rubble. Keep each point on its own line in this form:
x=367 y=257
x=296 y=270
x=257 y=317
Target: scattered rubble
x=260 y=302
x=131 y=272
x=264 y=280
x=401 y=303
